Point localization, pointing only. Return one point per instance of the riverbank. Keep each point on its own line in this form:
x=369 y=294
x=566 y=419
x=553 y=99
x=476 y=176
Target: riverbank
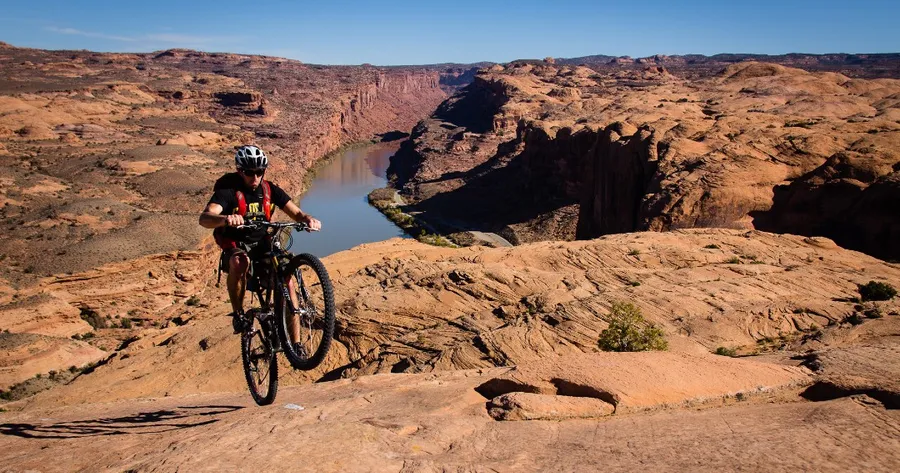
x=392 y=205
x=337 y=197
x=389 y=203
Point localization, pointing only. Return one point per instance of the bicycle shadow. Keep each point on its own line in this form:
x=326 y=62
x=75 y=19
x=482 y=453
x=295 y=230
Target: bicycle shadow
x=154 y=422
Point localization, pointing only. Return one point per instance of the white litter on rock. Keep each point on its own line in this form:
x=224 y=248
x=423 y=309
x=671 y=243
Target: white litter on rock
x=293 y=406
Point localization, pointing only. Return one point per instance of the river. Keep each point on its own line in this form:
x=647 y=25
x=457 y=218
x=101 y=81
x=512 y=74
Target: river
x=338 y=197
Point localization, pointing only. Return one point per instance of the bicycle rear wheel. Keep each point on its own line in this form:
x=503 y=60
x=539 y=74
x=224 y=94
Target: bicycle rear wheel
x=308 y=302
x=260 y=364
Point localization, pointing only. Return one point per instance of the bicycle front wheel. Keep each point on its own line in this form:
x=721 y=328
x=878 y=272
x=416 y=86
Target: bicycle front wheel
x=260 y=364
x=306 y=308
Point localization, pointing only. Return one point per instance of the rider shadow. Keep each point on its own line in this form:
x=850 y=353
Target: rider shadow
x=154 y=422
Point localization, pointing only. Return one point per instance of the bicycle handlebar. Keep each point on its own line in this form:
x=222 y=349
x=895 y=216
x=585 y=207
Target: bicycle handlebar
x=275 y=225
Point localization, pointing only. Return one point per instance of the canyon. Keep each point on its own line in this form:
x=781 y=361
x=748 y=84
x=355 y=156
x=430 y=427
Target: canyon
x=109 y=158
x=539 y=151
x=740 y=206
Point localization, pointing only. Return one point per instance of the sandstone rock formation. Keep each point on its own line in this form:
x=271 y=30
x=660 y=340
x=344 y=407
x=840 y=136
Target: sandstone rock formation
x=869 y=66
x=438 y=422
x=409 y=307
x=536 y=151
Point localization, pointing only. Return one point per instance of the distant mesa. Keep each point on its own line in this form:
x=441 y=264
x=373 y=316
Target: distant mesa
x=751 y=69
x=178 y=53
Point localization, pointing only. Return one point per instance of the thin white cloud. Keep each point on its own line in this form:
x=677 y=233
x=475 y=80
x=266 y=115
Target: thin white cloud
x=156 y=38
x=89 y=34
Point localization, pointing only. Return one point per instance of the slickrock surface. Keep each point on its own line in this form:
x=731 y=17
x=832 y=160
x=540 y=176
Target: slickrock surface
x=173 y=397
x=543 y=151
x=438 y=422
x=870 y=367
x=639 y=381
x=408 y=307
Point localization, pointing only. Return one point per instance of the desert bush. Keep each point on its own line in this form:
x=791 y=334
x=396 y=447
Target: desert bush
x=628 y=331
x=876 y=291
x=93 y=318
x=435 y=240
x=192 y=301
x=725 y=351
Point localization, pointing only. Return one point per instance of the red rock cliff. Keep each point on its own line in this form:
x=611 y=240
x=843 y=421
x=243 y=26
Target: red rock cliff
x=758 y=146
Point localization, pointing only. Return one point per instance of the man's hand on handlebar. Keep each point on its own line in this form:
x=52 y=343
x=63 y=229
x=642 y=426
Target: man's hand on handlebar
x=234 y=220
x=313 y=224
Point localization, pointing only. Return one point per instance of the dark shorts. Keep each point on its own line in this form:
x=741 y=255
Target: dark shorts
x=231 y=247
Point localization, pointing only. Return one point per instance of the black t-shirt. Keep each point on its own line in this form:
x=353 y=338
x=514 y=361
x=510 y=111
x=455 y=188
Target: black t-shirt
x=224 y=195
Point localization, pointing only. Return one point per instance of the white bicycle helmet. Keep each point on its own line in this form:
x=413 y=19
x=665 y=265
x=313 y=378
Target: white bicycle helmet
x=250 y=157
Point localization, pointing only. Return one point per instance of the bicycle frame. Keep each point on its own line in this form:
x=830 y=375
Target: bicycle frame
x=272 y=265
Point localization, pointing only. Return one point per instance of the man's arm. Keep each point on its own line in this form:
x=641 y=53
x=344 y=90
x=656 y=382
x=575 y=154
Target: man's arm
x=212 y=217
x=298 y=215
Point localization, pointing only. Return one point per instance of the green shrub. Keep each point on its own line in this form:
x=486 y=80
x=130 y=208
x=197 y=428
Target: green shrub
x=434 y=240
x=725 y=351
x=628 y=331
x=93 y=318
x=712 y=246
x=876 y=291
x=634 y=252
x=192 y=301
x=733 y=260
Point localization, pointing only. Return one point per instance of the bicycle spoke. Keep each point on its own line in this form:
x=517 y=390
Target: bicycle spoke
x=303 y=319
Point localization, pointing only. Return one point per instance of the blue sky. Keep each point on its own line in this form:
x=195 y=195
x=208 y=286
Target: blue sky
x=421 y=32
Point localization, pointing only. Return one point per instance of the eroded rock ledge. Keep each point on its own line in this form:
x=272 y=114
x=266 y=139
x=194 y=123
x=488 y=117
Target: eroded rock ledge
x=546 y=152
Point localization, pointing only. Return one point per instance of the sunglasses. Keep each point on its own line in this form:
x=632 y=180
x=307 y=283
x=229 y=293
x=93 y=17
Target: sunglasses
x=253 y=172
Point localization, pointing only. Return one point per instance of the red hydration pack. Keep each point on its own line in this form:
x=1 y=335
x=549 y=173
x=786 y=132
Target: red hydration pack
x=266 y=203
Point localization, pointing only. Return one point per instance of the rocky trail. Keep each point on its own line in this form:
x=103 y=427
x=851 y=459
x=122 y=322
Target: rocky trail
x=440 y=421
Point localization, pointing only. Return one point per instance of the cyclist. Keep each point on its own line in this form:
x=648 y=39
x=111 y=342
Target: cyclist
x=239 y=197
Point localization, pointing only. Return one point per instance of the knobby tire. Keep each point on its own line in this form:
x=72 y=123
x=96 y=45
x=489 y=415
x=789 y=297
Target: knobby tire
x=326 y=318
x=269 y=360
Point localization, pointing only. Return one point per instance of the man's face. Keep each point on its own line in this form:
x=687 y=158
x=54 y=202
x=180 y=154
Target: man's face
x=252 y=177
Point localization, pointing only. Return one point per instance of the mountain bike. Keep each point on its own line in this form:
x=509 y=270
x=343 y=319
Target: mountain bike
x=295 y=313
